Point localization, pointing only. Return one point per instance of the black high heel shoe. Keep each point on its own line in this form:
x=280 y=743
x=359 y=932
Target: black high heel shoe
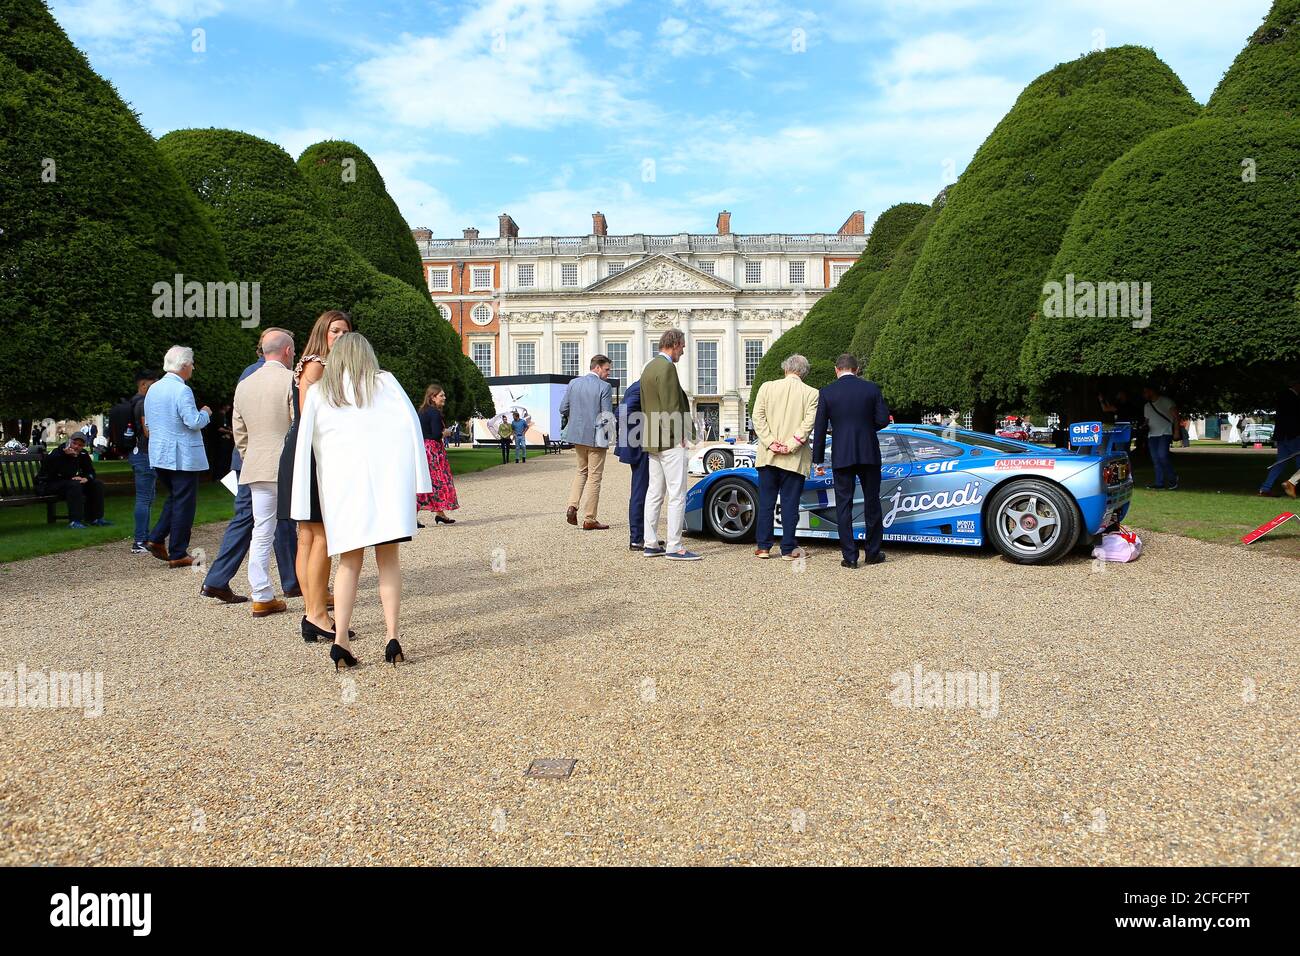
x=393 y=653
x=311 y=633
x=439 y=519
x=339 y=656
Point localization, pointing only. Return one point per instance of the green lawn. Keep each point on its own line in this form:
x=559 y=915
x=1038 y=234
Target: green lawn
x=1215 y=500
x=24 y=533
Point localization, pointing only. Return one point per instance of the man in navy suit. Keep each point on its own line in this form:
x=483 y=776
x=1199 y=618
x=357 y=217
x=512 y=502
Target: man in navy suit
x=628 y=450
x=855 y=411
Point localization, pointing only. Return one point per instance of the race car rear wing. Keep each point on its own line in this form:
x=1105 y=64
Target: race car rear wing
x=1094 y=438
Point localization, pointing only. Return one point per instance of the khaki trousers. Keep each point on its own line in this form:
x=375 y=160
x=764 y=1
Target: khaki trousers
x=584 y=493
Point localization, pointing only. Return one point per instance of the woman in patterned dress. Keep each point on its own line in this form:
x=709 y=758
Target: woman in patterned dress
x=443 y=497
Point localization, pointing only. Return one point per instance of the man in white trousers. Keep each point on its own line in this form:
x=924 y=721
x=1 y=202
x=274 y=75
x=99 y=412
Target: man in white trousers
x=666 y=429
x=262 y=415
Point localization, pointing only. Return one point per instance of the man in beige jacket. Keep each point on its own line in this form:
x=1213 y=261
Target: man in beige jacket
x=262 y=416
x=784 y=414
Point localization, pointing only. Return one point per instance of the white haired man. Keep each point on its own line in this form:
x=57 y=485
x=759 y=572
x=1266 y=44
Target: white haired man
x=260 y=420
x=785 y=412
x=176 y=454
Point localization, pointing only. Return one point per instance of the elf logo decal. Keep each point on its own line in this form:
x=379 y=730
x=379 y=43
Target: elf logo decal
x=901 y=504
x=935 y=467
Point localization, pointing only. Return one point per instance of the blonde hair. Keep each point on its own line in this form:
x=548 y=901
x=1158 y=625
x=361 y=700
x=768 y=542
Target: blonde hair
x=352 y=362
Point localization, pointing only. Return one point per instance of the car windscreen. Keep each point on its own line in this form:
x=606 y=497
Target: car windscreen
x=1001 y=446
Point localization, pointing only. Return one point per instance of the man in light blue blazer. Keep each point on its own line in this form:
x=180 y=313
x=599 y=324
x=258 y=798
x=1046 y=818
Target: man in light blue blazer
x=176 y=454
x=587 y=414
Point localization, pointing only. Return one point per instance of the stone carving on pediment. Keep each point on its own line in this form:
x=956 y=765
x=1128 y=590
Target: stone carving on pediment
x=661 y=277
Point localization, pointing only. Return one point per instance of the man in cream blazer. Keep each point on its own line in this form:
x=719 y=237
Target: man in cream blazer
x=784 y=414
x=262 y=416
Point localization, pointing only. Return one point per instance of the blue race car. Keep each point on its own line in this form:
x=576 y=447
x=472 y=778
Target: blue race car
x=946 y=486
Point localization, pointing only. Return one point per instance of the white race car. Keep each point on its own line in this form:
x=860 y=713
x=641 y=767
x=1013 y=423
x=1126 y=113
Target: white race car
x=710 y=456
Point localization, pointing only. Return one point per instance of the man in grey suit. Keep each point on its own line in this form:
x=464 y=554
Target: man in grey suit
x=587 y=410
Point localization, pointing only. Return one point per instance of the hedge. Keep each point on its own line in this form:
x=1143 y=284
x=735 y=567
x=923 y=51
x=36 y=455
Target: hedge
x=92 y=216
x=1265 y=76
x=357 y=205
x=271 y=222
x=965 y=310
x=1220 y=254
x=882 y=305
x=825 y=332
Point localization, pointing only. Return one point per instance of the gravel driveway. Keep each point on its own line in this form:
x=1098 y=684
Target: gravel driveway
x=728 y=711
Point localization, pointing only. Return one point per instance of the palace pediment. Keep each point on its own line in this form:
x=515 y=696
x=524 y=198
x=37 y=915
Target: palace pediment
x=661 y=273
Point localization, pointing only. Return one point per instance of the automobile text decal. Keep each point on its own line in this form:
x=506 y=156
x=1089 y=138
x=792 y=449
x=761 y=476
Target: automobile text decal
x=907 y=504
x=1015 y=464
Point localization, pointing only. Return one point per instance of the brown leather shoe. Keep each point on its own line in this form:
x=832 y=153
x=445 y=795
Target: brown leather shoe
x=184 y=562
x=273 y=606
x=571 y=516
x=594 y=526
x=157 y=549
x=222 y=594
x=293 y=592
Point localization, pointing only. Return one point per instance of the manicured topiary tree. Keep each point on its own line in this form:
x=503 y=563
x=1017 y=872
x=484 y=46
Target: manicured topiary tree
x=1265 y=76
x=271 y=221
x=882 y=305
x=827 y=329
x=92 y=216
x=355 y=203
x=1217 y=245
x=358 y=207
x=965 y=310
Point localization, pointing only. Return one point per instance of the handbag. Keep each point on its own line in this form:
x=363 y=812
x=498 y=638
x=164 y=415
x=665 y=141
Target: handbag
x=1121 y=545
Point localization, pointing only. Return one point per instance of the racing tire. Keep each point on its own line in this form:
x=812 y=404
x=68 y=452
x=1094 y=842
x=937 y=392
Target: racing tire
x=717 y=459
x=731 y=510
x=1032 y=522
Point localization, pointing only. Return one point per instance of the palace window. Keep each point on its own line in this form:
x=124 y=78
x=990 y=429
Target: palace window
x=440 y=279
x=480 y=354
x=480 y=278
x=706 y=368
x=481 y=314
x=525 y=358
x=569 y=358
x=753 y=272
x=445 y=311
x=617 y=352
x=615 y=268
x=525 y=274
x=797 y=270
x=569 y=274
x=837 y=272
x=753 y=355
x=706 y=265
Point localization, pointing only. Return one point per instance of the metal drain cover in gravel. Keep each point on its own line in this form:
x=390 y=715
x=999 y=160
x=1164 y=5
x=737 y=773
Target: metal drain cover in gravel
x=550 y=768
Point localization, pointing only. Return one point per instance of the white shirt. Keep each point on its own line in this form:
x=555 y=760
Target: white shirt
x=1156 y=424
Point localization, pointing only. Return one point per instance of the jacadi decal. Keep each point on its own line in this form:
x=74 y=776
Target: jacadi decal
x=901 y=504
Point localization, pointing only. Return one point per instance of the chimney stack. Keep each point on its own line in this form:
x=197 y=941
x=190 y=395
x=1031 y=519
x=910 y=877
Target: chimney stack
x=598 y=226
x=471 y=232
x=422 y=234
x=509 y=230
x=855 y=225
x=724 y=223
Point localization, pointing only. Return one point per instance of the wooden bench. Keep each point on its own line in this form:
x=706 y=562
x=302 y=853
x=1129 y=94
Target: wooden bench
x=18 y=483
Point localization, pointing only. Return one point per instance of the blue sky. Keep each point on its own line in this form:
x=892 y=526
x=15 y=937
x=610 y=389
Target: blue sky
x=658 y=114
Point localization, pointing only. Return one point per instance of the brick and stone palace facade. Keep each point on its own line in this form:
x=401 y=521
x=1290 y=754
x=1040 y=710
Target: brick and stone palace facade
x=545 y=305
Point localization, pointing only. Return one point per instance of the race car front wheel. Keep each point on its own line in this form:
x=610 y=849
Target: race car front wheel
x=716 y=460
x=1033 y=522
x=731 y=507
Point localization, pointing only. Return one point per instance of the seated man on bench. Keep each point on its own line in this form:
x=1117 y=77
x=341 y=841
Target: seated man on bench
x=69 y=473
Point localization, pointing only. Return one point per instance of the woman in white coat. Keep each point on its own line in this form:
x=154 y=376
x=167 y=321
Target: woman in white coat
x=370 y=465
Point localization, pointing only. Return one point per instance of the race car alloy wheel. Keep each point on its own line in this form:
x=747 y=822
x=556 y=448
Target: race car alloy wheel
x=731 y=509
x=716 y=460
x=1033 y=522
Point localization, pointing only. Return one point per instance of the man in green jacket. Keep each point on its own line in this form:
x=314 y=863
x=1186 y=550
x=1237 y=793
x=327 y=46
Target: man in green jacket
x=667 y=428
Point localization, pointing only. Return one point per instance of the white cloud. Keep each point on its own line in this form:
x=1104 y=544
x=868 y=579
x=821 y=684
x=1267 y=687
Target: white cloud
x=512 y=63
x=131 y=31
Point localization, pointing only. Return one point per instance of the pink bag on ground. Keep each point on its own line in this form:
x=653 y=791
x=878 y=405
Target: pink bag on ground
x=1119 y=545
